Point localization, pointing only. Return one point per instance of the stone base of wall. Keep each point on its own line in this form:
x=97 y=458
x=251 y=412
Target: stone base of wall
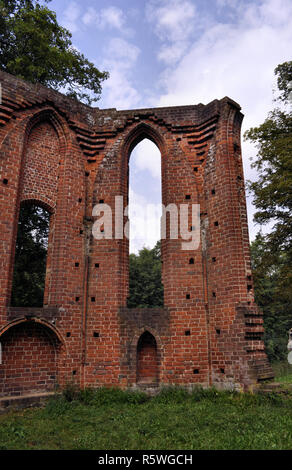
x=24 y=401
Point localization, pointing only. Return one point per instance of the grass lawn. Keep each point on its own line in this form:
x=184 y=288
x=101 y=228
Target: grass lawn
x=283 y=372
x=174 y=419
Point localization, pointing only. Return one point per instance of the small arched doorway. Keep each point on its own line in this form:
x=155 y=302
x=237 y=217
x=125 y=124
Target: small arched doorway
x=147 y=359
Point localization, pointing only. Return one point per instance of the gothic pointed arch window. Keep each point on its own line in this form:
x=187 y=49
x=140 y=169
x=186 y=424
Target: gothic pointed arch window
x=145 y=209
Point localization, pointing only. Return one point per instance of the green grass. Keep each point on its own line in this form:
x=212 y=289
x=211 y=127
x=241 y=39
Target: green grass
x=283 y=372
x=174 y=419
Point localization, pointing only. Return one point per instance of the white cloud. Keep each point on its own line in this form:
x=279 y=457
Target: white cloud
x=173 y=23
x=123 y=51
x=172 y=18
x=227 y=3
x=111 y=17
x=118 y=90
x=146 y=156
x=91 y=16
x=71 y=15
x=169 y=54
x=236 y=60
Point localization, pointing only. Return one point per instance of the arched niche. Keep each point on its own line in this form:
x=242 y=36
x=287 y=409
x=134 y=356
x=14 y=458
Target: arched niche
x=147 y=359
x=29 y=358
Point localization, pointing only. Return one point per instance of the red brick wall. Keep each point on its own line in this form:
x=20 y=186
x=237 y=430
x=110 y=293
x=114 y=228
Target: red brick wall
x=41 y=164
x=68 y=157
x=29 y=360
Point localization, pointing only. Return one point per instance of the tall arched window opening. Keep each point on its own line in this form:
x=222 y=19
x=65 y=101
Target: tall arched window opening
x=30 y=256
x=145 y=209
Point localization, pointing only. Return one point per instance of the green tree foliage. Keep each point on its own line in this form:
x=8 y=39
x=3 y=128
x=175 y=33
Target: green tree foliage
x=33 y=46
x=284 y=81
x=145 y=286
x=30 y=257
x=272 y=191
x=268 y=295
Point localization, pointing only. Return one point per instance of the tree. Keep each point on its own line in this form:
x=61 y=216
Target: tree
x=145 y=286
x=33 y=46
x=273 y=189
x=268 y=296
x=272 y=192
x=284 y=81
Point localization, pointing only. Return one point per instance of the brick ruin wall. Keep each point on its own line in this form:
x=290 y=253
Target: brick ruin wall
x=67 y=157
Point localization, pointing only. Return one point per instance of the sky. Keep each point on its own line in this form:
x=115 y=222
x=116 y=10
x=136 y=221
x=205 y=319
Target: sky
x=181 y=52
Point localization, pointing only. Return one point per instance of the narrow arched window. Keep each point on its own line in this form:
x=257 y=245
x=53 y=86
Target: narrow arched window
x=145 y=209
x=30 y=256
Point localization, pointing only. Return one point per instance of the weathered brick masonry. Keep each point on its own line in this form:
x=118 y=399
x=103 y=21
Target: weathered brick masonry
x=67 y=157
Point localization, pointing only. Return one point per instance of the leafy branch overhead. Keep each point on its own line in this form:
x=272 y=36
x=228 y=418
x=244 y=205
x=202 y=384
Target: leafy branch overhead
x=34 y=47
